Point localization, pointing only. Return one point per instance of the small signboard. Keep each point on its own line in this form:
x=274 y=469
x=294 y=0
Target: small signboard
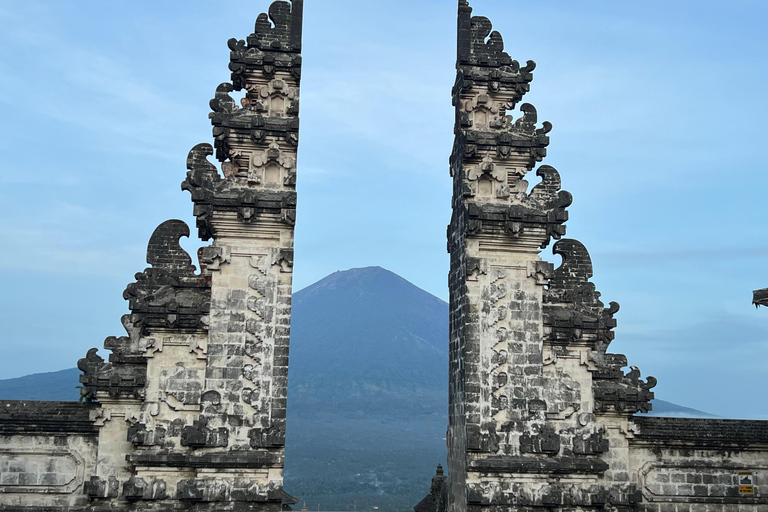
x=746 y=482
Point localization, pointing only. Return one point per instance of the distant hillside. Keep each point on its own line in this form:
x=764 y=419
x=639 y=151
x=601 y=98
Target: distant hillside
x=670 y=410
x=367 y=392
x=368 y=395
x=60 y=385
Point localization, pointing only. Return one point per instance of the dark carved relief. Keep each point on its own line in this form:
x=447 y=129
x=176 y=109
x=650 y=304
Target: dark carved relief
x=272 y=437
x=507 y=492
x=127 y=349
x=136 y=488
x=279 y=31
x=481 y=56
x=572 y=307
x=118 y=380
x=482 y=438
x=622 y=393
x=169 y=294
x=96 y=487
x=501 y=137
x=545 y=442
x=760 y=297
x=206 y=490
x=493 y=151
x=210 y=191
x=593 y=444
x=140 y=436
x=258 y=179
x=544 y=208
x=198 y=435
x=573 y=312
x=200 y=490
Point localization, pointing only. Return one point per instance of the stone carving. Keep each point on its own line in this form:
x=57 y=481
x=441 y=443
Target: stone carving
x=126 y=380
x=572 y=307
x=760 y=297
x=546 y=441
x=573 y=313
x=222 y=101
x=139 y=489
x=614 y=391
x=210 y=192
x=214 y=257
x=169 y=294
x=139 y=435
x=592 y=444
x=198 y=435
x=207 y=490
x=97 y=487
x=274 y=436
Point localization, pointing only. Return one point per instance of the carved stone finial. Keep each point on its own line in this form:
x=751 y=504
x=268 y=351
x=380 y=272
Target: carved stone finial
x=760 y=297
x=169 y=294
x=222 y=101
x=280 y=29
x=164 y=250
x=572 y=306
x=576 y=268
x=487 y=45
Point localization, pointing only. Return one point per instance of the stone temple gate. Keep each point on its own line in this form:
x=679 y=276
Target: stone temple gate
x=188 y=412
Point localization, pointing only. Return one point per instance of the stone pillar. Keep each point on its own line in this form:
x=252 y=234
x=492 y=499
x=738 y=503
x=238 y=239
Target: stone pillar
x=250 y=214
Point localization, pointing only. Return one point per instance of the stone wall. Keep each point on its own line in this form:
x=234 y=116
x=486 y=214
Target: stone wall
x=700 y=464
x=47 y=451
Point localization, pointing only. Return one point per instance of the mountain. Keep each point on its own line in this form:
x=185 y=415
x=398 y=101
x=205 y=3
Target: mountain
x=367 y=392
x=368 y=380
x=666 y=409
x=60 y=385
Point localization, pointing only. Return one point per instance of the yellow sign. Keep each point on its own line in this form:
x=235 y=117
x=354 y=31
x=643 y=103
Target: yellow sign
x=746 y=482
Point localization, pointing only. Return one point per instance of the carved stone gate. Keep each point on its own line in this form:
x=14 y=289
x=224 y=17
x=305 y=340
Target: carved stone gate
x=188 y=413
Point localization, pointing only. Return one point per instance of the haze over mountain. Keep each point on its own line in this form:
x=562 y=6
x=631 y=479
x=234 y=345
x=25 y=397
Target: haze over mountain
x=367 y=394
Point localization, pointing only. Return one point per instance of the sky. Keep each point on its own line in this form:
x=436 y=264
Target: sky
x=658 y=110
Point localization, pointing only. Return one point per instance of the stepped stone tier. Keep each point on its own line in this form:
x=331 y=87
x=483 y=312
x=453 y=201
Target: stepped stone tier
x=541 y=415
x=188 y=412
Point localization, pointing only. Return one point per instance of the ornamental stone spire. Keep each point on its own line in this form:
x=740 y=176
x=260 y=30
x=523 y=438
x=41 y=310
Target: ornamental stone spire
x=192 y=403
x=537 y=408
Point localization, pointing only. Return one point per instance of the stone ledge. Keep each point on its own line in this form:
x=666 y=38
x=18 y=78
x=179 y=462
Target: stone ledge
x=33 y=417
x=213 y=460
x=555 y=465
x=700 y=432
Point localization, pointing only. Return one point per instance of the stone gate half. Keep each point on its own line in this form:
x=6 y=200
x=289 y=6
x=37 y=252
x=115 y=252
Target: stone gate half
x=541 y=415
x=189 y=411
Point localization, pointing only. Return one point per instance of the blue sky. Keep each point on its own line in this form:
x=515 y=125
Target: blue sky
x=659 y=133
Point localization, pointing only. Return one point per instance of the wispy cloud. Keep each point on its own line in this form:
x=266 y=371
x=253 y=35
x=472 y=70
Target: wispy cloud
x=85 y=89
